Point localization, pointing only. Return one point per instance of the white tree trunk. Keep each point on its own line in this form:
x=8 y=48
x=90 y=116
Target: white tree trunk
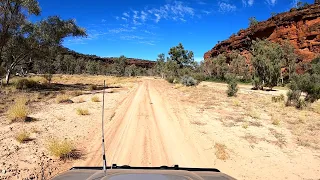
x=8 y=76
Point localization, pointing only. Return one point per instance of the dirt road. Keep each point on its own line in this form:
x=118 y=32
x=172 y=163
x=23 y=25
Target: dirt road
x=155 y=124
x=149 y=122
x=145 y=132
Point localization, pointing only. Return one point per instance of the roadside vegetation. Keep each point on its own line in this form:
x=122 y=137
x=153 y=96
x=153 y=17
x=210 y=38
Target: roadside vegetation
x=60 y=148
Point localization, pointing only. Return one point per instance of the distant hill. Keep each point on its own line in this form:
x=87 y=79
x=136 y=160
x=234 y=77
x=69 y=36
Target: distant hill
x=108 y=60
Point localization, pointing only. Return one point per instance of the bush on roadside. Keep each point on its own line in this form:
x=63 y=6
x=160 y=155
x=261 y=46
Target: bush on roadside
x=232 y=86
x=24 y=84
x=60 y=148
x=82 y=112
x=188 y=81
x=95 y=99
x=93 y=87
x=22 y=137
x=170 y=79
x=63 y=98
x=18 y=111
x=278 y=98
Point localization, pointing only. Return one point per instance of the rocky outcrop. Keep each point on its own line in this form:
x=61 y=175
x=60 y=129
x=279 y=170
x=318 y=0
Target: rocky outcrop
x=300 y=26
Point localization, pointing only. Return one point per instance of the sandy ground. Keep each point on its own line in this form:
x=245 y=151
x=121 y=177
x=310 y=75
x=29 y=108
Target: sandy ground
x=153 y=123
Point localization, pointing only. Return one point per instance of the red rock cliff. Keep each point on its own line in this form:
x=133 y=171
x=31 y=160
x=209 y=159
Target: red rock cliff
x=300 y=27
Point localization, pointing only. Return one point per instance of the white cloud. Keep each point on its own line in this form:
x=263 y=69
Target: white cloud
x=126 y=15
x=131 y=37
x=271 y=2
x=226 y=7
x=171 y=11
x=294 y=3
x=246 y=3
x=250 y=2
x=143 y=16
x=117 y=17
x=206 y=12
x=123 y=18
x=118 y=30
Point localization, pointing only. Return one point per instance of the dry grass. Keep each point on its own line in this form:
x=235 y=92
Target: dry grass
x=245 y=125
x=253 y=113
x=82 y=112
x=63 y=98
x=178 y=86
x=275 y=120
x=75 y=93
x=221 y=151
x=236 y=102
x=316 y=107
x=199 y=123
x=60 y=148
x=18 y=111
x=95 y=99
x=92 y=79
x=23 y=137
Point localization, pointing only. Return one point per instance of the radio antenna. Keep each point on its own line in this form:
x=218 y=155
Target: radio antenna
x=103 y=147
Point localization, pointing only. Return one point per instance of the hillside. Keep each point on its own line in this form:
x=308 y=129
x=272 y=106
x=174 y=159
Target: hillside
x=300 y=26
x=109 y=60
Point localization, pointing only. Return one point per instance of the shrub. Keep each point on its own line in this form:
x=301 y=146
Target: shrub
x=256 y=83
x=275 y=120
x=18 y=111
x=95 y=99
x=232 y=87
x=63 y=98
x=26 y=84
x=82 y=112
x=62 y=149
x=188 y=81
x=48 y=77
x=170 y=79
x=76 y=93
x=93 y=87
x=221 y=151
x=23 y=137
x=278 y=98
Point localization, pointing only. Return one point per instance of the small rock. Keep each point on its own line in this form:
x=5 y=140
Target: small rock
x=3 y=171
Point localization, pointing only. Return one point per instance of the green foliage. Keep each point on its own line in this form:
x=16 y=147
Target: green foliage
x=120 y=65
x=307 y=83
x=170 y=79
x=239 y=67
x=92 y=67
x=232 y=86
x=188 y=81
x=24 y=42
x=181 y=56
x=301 y=5
x=253 y=21
x=161 y=65
x=266 y=60
x=289 y=60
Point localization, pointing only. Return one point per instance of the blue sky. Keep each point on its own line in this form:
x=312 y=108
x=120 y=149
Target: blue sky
x=143 y=29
